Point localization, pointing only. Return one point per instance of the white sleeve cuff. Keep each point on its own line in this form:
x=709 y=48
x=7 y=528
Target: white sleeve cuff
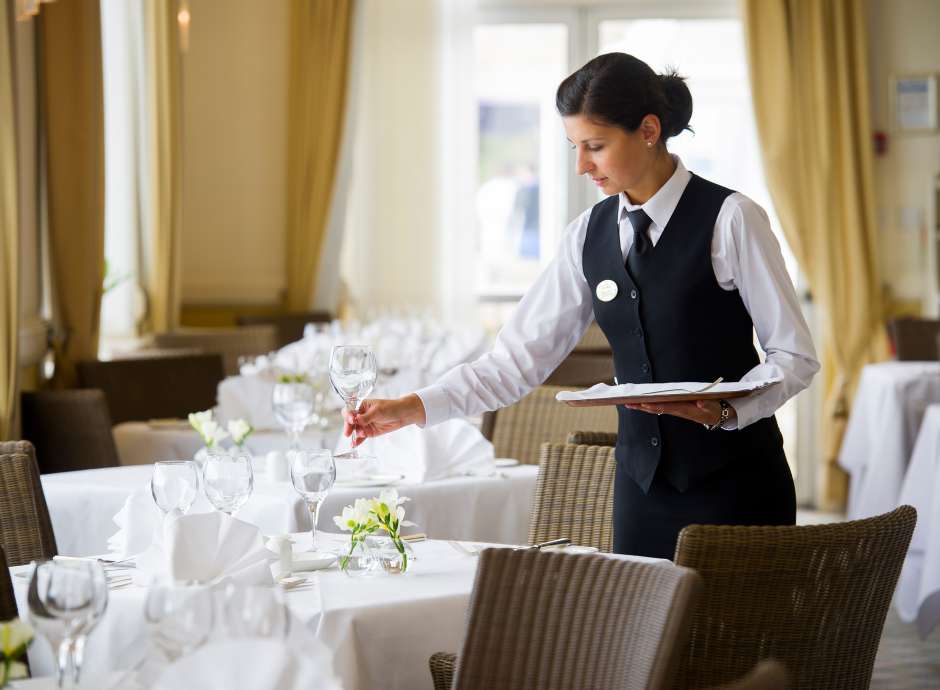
x=436 y=404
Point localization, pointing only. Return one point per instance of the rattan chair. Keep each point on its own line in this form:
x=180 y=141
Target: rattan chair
x=594 y=342
x=914 y=339
x=574 y=495
x=25 y=528
x=582 y=370
x=155 y=387
x=767 y=675
x=813 y=597
x=556 y=620
x=517 y=431
x=71 y=429
x=289 y=327
x=231 y=343
x=593 y=438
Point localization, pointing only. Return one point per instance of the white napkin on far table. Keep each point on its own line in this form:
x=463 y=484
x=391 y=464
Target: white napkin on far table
x=207 y=547
x=251 y=664
x=138 y=521
x=450 y=449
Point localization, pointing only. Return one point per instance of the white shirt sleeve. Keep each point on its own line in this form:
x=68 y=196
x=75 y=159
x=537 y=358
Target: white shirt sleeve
x=746 y=257
x=545 y=326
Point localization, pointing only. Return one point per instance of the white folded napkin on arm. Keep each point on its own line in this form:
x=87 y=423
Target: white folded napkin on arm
x=251 y=664
x=207 y=548
x=450 y=449
x=600 y=391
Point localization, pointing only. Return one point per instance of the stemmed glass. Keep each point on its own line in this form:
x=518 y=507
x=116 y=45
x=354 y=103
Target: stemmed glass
x=294 y=402
x=99 y=605
x=174 y=485
x=63 y=606
x=180 y=618
x=255 y=612
x=312 y=472
x=228 y=481
x=352 y=374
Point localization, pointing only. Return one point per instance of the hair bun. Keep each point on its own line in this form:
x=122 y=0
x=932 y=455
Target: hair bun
x=678 y=103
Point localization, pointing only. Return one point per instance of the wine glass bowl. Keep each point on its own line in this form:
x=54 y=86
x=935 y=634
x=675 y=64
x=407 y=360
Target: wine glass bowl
x=228 y=481
x=174 y=485
x=312 y=472
x=353 y=372
x=294 y=404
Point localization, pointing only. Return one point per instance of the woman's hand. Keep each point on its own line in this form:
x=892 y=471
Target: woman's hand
x=701 y=411
x=377 y=417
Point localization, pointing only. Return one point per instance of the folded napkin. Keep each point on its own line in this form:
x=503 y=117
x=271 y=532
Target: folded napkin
x=139 y=522
x=601 y=391
x=251 y=664
x=207 y=547
x=453 y=448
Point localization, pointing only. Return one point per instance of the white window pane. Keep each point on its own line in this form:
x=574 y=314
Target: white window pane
x=520 y=190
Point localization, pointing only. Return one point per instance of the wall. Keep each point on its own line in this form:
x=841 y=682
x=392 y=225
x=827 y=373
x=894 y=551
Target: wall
x=903 y=39
x=235 y=152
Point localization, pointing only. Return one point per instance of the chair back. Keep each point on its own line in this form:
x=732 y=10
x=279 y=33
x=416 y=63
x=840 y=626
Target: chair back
x=813 y=597
x=25 y=527
x=71 y=429
x=519 y=430
x=583 y=370
x=556 y=620
x=231 y=343
x=155 y=387
x=289 y=327
x=915 y=340
x=594 y=342
x=574 y=495
x=593 y=438
x=767 y=675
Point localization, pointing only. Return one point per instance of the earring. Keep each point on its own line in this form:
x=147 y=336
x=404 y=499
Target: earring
x=649 y=143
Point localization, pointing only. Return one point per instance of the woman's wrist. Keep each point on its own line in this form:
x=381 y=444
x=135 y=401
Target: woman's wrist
x=414 y=410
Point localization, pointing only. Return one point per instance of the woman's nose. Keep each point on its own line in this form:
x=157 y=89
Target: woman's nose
x=583 y=164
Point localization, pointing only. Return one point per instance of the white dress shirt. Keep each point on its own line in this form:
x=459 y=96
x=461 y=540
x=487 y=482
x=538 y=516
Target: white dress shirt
x=555 y=312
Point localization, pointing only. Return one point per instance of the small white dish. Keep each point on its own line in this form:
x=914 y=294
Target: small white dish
x=312 y=561
x=571 y=548
x=505 y=462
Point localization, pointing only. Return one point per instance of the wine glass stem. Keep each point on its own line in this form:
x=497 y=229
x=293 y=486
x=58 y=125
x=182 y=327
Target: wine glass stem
x=314 y=508
x=64 y=654
x=78 y=658
x=353 y=405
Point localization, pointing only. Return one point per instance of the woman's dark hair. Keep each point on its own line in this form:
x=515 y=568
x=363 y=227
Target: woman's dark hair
x=619 y=89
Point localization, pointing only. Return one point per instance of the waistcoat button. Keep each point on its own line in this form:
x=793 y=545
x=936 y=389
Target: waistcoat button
x=645 y=368
x=654 y=441
x=632 y=294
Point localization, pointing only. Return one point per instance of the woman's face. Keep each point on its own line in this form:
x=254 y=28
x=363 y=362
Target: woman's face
x=614 y=159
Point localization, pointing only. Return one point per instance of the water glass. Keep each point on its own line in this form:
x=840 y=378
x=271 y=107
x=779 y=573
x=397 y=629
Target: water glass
x=228 y=480
x=352 y=374
x=99 y=605
x=180 y=618
x=294 y=407
x=255 y=612
x=61 y=601
x=312 y=472
x=174 y=485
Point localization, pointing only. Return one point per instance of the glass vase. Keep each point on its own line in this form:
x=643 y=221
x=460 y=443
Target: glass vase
x=357 y=559
x=388 y=558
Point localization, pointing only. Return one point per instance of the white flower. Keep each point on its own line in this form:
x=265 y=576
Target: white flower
x=356 y=516
x=197 y=419
x=212 y=433
x=14 y=636
x=239 y=430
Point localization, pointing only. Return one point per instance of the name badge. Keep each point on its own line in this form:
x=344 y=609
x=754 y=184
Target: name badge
x=606 y=290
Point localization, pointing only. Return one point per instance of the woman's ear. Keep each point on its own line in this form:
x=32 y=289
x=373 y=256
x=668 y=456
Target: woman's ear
x=651 y=129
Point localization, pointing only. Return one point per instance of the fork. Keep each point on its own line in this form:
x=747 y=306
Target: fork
x=686 y=390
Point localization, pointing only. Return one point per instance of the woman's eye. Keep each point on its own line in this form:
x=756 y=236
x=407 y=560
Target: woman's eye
x=593 y=149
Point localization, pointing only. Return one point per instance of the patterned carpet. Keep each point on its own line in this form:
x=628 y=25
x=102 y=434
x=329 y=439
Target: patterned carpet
x=904 y=661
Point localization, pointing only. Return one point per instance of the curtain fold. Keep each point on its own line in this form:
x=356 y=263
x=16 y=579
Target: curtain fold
x=319 y=58
x=9 y=232
x=809 y=80
x=163 y=214
x=73 y=108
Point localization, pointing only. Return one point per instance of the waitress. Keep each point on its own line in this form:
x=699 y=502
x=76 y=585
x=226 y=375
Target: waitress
x=678 y=272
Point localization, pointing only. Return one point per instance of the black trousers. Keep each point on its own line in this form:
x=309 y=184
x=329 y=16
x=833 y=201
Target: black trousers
x=748 y=491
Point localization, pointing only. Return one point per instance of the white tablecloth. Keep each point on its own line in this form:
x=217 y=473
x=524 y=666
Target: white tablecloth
x=879 y=438
x=493 y=509
x=381 y=630
x=918 y=593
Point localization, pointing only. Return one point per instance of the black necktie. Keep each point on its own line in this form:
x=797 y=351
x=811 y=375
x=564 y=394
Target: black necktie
x=641 y=241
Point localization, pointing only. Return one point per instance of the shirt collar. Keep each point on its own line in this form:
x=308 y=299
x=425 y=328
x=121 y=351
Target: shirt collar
x=662 y=204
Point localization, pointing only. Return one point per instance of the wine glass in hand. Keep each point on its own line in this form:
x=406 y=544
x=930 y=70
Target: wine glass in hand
x=352 y=374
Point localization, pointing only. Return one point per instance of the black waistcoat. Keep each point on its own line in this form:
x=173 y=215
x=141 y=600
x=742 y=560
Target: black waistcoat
x=673 y=322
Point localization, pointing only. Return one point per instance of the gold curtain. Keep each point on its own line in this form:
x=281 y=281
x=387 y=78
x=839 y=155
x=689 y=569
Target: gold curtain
x=73 y=107
x=163 y=227
x=9 y=232
x=320 y=38
x=809 y=80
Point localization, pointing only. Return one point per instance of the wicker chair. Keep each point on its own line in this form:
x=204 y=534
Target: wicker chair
x=231 y=343
x=594 y=342
x=71 y=429
x=574 y=495
x=25 y=528
x=914 y=339
x=155 y=387
x=813 y=597
x=556 y=620
x=289 y=327
x=767 y=675
x=582 y=370
x=592 y=438
x=517 y=431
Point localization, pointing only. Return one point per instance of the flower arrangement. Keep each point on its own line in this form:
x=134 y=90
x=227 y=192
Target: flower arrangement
x=15 y=636
x=206 y=426
x=239 y=430
x=292 y=378
x=369 y=515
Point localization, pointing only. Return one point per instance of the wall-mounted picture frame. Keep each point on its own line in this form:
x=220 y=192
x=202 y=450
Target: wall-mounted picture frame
x=914 y=103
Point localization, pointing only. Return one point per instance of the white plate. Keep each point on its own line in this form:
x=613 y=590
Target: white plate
x=312 y=561
x=371 y=480
x=505 y=462
x=571 y=548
